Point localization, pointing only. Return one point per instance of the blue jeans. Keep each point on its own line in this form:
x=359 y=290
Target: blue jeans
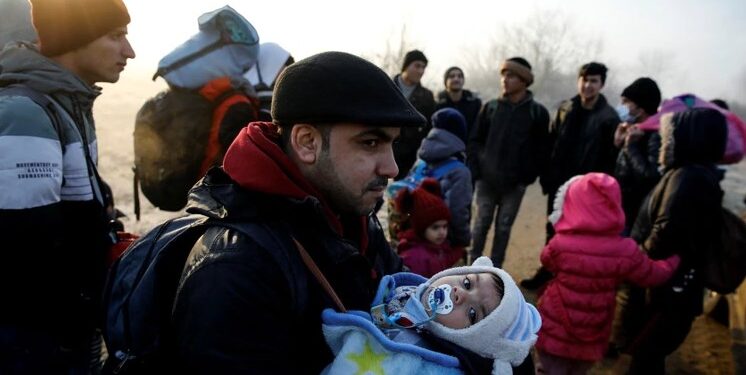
x=507 y=203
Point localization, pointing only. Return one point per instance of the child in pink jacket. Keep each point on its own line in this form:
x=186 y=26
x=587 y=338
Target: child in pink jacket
x=424 y=247
x=589 y=259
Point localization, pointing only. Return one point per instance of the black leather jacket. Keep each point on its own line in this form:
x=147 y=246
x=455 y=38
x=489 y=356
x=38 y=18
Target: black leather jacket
x=242 y=308
x=583 y=141
x=410 y=138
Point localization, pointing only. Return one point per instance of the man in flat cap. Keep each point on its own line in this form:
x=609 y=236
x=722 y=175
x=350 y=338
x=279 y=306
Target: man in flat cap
x=55 y=211
x=247 y=303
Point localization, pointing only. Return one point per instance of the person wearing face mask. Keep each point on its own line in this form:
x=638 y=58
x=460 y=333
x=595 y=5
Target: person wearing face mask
x=637 y=163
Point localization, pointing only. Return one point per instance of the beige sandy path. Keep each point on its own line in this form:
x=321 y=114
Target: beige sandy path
x=706 y=351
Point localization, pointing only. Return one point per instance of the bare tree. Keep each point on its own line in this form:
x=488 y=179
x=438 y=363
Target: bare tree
x=390 y=59
x=549 y=41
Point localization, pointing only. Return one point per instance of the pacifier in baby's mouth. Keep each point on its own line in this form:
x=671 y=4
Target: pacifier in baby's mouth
x=439 y=300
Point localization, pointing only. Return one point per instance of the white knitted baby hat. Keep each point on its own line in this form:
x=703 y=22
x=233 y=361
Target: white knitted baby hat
x=506 y=334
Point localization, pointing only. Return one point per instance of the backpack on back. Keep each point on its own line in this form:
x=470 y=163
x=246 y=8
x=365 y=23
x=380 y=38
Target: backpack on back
x=421 y=170
x=177 y=133
x=176 y=140
x=724 y=266
x=142 y=284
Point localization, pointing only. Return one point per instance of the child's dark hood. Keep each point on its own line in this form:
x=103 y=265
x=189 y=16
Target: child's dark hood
x=696 y=136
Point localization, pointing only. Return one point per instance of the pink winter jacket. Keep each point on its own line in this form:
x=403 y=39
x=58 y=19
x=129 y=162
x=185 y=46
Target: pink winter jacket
x=589 y=260
x=424 y=258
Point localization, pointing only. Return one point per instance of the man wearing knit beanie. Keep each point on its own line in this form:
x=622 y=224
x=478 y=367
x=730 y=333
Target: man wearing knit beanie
x=455 y=96
x=637 y=171
x=506 y=152
x=409 y=82
x=55 y=210
x=636 y=168
x=315 y=174
x=642 y=98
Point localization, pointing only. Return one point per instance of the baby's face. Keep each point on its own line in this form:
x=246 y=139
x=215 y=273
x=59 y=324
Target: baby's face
x=473 y=296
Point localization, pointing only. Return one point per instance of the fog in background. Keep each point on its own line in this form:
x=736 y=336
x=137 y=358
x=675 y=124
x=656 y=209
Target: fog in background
x=686 y=46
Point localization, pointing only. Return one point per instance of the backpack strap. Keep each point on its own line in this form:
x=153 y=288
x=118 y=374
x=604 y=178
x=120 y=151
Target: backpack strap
x=533 y=111
x=224 y=102
x=437 y=172
x=491 y=108
x=43 y=101
x=264 y=235
x=308 y=261
x=420 y=170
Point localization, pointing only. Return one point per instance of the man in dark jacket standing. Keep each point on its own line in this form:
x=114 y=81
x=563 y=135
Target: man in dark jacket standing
x=55 y=210
x=313 y=175
x=408 y=81
x=455 y=96
x=582 y=139
x=637 y=163
x=507 y=150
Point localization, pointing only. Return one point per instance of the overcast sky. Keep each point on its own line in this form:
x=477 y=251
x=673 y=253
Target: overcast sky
x=704 y=41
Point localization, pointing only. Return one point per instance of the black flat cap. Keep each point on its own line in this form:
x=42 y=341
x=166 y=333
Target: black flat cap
x=333 y=87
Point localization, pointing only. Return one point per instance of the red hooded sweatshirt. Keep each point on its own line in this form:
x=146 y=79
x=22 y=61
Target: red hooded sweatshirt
x=256 y=162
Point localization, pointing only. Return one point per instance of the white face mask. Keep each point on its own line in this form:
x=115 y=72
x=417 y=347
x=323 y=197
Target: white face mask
x=624 y=114
x=440 y=297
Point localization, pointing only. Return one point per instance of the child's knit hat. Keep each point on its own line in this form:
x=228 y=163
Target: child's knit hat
x=506 y=334
x=424 y=205
x=450 y=120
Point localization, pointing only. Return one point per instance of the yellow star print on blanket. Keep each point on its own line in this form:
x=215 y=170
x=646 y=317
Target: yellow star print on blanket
x=368 y=361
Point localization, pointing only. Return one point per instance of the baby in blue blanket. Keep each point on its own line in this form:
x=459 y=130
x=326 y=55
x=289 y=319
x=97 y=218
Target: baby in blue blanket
x=477 y=307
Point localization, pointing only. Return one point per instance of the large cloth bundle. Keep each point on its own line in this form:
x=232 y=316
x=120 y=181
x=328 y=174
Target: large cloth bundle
x=736 y=146
x=227 y=45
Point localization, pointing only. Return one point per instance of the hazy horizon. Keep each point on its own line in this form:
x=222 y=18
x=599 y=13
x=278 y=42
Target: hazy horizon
x=687 y=46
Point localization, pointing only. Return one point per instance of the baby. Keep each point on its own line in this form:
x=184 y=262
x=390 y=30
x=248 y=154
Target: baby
x=478 y=308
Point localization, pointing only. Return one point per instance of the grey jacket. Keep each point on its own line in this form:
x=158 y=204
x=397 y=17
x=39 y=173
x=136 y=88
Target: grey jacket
x=52 y=215
x=438 y=147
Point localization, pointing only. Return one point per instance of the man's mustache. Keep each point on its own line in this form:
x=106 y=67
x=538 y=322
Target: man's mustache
x=378 y=182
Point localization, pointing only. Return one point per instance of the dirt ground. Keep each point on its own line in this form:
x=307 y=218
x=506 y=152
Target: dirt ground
x=706 y=350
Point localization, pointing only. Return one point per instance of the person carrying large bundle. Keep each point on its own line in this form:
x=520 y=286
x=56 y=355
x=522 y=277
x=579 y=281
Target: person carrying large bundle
x=186 y=129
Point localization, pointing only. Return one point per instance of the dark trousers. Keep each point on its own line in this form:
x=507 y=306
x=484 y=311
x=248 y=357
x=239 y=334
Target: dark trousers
x=507 y=203
x=550 y=207
x=29 y=351
x=658 y=331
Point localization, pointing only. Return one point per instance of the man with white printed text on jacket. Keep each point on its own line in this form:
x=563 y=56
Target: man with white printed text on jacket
x=55 y=211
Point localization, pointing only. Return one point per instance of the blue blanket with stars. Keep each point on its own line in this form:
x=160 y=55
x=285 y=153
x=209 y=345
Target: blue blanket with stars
x=362 y=348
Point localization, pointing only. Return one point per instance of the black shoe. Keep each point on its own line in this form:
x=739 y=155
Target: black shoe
x=612 y=351
x=541 y=277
